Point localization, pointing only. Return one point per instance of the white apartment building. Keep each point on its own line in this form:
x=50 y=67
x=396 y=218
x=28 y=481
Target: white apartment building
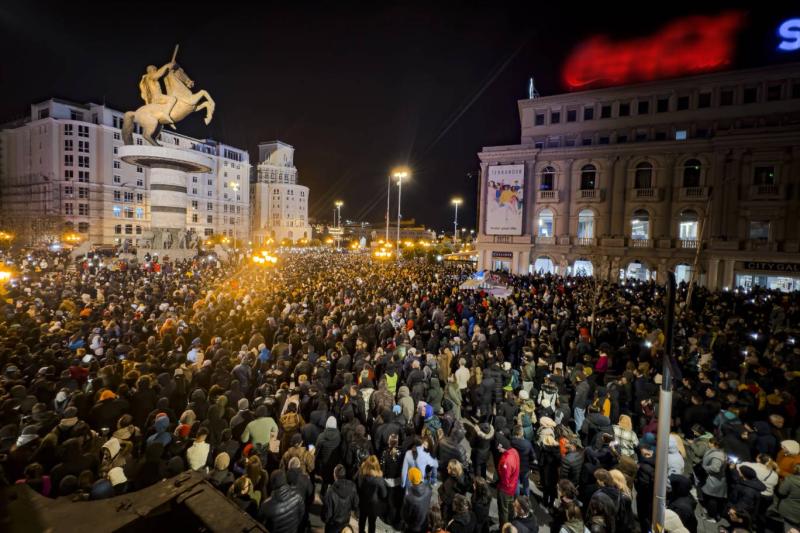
x=280 y=205
x=59 y=170
x=631 y=181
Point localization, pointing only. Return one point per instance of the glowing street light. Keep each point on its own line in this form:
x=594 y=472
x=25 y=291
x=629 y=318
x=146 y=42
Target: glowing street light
x=399 y=174
x=456 y=202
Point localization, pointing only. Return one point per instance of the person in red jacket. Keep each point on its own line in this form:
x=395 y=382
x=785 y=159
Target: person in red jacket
x=508 y=474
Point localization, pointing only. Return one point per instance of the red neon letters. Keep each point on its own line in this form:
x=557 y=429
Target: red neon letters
x=686 y=46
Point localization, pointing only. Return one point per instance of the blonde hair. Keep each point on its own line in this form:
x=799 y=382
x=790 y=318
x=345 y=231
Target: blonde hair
x=625 y=422
x=370 y=467
x=454 y=468
x=618 y=478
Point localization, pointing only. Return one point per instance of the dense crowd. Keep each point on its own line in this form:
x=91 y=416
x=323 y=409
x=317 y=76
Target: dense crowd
x=353 y=389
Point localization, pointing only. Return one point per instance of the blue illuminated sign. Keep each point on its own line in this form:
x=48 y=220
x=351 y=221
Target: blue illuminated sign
x=789 y=32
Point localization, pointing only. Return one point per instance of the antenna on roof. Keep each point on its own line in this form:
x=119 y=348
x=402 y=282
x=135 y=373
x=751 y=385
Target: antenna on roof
x=532 y=92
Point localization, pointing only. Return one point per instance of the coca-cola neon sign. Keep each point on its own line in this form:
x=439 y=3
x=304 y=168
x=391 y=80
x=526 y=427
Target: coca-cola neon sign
x=685 y=46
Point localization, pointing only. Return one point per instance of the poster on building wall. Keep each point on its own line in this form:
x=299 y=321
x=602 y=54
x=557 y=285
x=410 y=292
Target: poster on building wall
x=505 y=196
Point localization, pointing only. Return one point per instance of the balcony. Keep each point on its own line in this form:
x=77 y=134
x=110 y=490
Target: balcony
x=693 y=193
x=545 y=240
x=688 y=244
x=650 y=194
x=547 y=196
x=640 y=243
x=761 y=245
x=591 y=195
x=584 y=241
x=767 y=192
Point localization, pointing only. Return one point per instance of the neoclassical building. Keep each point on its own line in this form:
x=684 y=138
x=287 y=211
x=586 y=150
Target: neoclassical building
x=639 y=180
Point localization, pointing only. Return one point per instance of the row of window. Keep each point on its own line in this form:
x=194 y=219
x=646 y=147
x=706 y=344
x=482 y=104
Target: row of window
x=83 y=146
x=83 y=161
x=129 y=212
x=83 y=175
x=129 y=228
x=726 y=96
x=688 y=225
x=643 y=176
x=226 y=208
x=83 y=192
x=83 y=131
x=128 y=197
x=69 y=209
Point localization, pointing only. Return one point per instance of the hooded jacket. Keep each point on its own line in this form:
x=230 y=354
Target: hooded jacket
x=416 y=505
x=789 y=503
x=339 y=501
x=675 y=462
x=681 y=500
x=746 y=493
x=162 y=435
x=435 y=395
x=406 y=402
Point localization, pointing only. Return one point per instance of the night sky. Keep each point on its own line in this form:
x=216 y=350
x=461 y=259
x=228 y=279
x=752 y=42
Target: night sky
x=356 y=89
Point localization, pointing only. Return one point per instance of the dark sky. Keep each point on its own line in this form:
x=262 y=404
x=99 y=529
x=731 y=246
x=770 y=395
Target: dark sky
x=355 y=88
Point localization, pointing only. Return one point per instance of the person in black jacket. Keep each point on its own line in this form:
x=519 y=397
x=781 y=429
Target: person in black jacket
x=481 y=501
x=284 y=511
x=417 y=503
x=746 y=490
x=328 y=453
x=464 y=520
x=527 y=456
x=572 y=464
x=339 y=501
x=681 y=501
x=297 y=478
x=524 y=518
x=372 y=493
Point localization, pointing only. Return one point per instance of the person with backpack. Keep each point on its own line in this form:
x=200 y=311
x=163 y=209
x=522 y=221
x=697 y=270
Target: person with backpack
x=417 y=502
x=339 y=501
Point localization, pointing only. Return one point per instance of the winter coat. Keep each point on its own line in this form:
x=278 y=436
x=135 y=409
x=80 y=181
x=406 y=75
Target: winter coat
x=284 y=511
x=450 y=448
x=508 y=472
x=746 y=493
x=571 y=466
x=481 y=445
x=422 y=462
x=259 y=430
x=681 y=500
x=328 y=453
x=372 y=493
x=340 y=500
x=435 y=395
x=527 y=456
x=675 y=462
x=406 y=402
x=788 y=493
x=416 y=504
x=714 y=463
x=463 y=523
x=582 y=392
x=594 y=425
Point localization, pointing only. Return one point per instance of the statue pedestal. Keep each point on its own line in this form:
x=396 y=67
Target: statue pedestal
x=169 y=169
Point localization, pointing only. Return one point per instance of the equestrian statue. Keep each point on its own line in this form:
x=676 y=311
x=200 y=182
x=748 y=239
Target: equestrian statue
x=165 y=107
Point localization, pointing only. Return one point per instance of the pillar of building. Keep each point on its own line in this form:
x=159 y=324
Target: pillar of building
x=616 y=191
x=523 y=261
x=712 y=274
x=727 y=273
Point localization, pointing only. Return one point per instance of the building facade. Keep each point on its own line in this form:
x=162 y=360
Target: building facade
x=59 y=171
x=280 y=205
x=640 y=180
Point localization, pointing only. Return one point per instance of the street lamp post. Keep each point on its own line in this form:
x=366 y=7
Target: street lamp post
x=400 y=175
x=338 y=221
x=235 y=186
x=456 y=202
x=388 y=197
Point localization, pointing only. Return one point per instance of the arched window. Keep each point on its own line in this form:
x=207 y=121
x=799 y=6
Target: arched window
x=691 y=173
x=588 y=177
x=548 y=181
x=640 y=225
x=545 y=223
x=688 y=225
x=543 y=265
x=643 y=179
x=586 y=224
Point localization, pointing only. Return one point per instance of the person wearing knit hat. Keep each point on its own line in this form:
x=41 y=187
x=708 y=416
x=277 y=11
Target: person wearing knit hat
x=107 y=395
x=330 y=423
x=414 y=476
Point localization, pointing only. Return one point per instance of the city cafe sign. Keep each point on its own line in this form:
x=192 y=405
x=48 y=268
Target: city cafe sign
x=685 y=46
x=772 y=267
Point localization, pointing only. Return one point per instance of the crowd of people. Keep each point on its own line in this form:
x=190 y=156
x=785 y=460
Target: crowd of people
x=356 y=390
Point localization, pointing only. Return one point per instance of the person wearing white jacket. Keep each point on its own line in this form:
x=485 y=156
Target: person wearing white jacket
x=197 y=454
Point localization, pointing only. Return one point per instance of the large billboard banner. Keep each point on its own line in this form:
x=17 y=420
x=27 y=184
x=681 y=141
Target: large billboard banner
x=505 y=196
